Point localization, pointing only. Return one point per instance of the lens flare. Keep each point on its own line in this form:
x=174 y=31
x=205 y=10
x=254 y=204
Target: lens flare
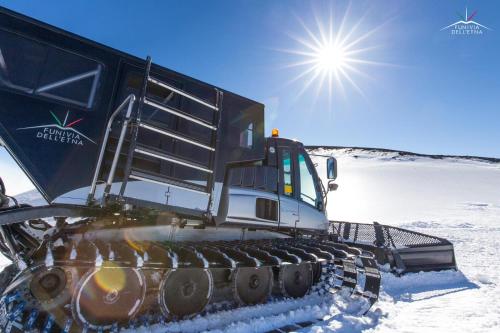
x=132 y=241
x=110 y=279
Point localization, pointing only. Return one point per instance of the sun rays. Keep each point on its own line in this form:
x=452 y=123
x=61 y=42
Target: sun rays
x=333 y=55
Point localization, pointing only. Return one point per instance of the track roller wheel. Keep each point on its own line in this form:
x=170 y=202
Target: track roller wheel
x=54 y=286
x=295 y=279
x=108 y=295
x=253 y=285
x=185 y=292
x=317 y=271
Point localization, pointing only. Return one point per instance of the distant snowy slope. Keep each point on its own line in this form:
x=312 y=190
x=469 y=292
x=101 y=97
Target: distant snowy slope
x=395 y=188
x=33 y=198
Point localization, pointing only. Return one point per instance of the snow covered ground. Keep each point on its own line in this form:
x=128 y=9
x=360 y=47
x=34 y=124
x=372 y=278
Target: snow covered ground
x=458 y=199
x=455 y=198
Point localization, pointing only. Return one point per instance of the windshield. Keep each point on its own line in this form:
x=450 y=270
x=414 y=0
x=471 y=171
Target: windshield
x=308 y=192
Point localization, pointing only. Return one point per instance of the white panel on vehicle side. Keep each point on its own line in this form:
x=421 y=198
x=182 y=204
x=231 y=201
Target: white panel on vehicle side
x=311 y=218
x=160 y=194
x=242 y=206
x=166 y=195
x=289 y=211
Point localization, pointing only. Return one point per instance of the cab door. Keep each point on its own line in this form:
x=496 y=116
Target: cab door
x=289 y=209
x=310 y=201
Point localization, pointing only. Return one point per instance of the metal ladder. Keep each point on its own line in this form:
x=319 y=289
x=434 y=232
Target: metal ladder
x=135 y=148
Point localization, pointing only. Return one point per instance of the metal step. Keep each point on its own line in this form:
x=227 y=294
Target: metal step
x=140 y=149
x=138 y=174
x=183 y=93
x=179 y=113
x=175 y=135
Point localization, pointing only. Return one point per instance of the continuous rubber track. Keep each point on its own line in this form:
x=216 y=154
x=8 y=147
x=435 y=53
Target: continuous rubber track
x=104 y=286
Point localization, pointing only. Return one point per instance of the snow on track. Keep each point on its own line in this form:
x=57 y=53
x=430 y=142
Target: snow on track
x=339 y=308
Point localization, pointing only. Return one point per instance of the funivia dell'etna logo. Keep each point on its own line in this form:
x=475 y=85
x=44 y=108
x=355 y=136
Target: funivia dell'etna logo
x=60 y=132
x=466 y=25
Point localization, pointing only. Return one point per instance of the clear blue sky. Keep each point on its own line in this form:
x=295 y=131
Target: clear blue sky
x=440 y=94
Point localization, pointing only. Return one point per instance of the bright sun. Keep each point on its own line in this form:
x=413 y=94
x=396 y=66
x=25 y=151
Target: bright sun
x=333 y=56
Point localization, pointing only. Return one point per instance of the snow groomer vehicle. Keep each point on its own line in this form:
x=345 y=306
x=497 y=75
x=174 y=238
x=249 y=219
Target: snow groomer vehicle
x=165 y=197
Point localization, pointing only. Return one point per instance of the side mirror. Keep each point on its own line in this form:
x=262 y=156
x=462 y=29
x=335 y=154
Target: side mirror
x=331 y=168
x=332 y=186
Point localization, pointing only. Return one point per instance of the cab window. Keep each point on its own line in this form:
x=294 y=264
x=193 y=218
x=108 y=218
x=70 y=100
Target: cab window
x=286 y=160
x=308 y=192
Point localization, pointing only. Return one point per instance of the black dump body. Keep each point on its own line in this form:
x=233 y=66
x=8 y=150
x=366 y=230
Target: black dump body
x=404 y=250
x=58 y=91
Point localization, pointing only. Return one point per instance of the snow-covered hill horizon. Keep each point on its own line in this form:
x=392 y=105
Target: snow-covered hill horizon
x=402 y=153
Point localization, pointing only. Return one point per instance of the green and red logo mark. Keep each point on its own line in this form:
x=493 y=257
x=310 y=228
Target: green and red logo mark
x=60 y=131
x=466 y=25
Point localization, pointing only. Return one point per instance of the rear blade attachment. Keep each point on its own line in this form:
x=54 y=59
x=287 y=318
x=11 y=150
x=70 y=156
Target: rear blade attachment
x=404 y=250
